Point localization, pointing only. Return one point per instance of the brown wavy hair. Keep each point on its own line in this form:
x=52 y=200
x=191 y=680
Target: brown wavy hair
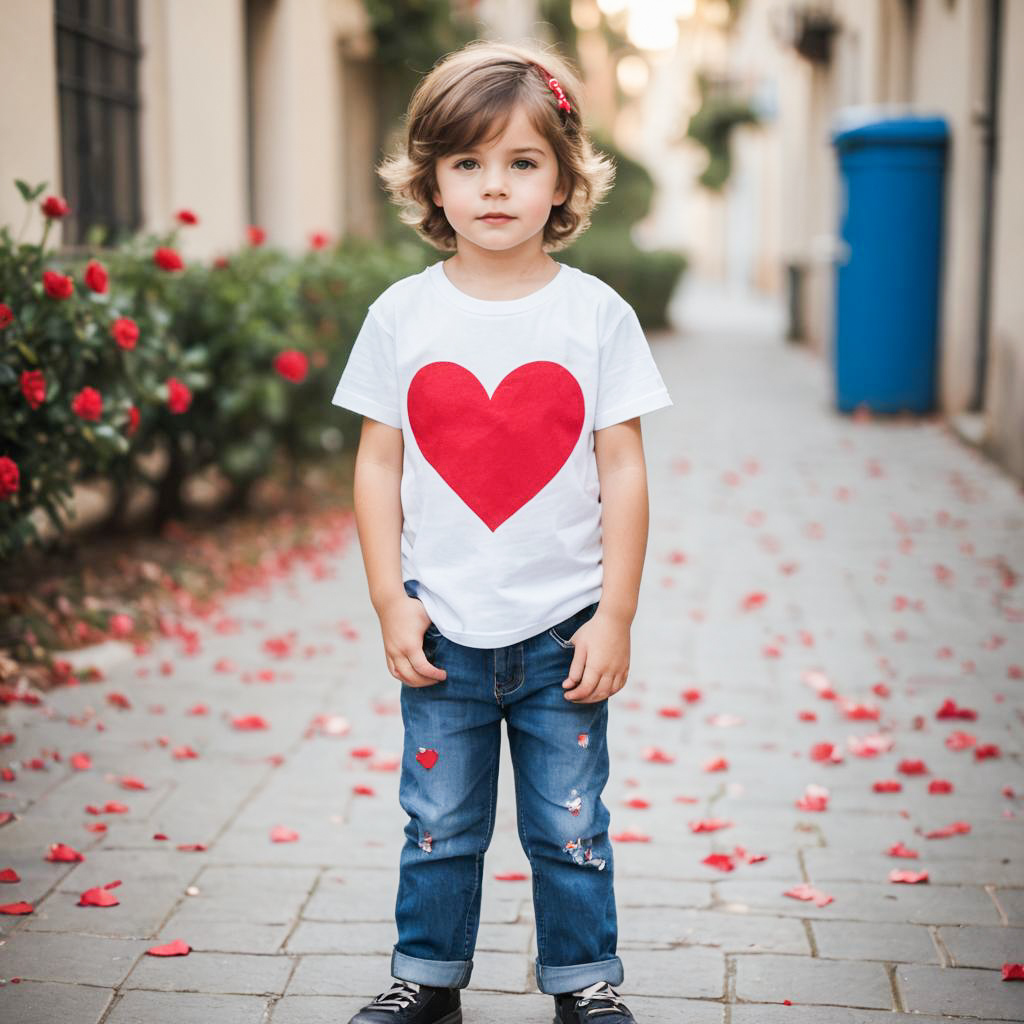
x=467 y=98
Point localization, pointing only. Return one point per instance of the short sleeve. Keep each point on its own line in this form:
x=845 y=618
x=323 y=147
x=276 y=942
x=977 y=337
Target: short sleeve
x=629 y=383
x=369 y=384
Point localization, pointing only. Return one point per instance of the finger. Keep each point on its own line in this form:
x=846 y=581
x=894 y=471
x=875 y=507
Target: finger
x=410 y=675
x=586 y=686
x=419 y=662
x=576 y=669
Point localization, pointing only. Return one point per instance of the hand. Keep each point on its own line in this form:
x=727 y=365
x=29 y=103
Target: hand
x=403 y=623
x=601 y=662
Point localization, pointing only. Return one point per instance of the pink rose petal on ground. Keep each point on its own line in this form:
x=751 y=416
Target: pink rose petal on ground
x=630 y=836
x=803 y=891
x=746 y=855
x=723 y=720
x=960 y=740
x=184 y=753
x=80 y=762
x=61 y=853
x=198 y=709
x=363 y=790
x=949 y=709
x=362 y=752
x=248 y=723
x=191 y=847
x=869 y=746
x=912 y=767
x=957 y=828
x=280 y=834
x=657 y=755
x=510 y=876
x=826 y=752
x=691 y=696
x=176 y=948
x=671 y=712
x=638 y=802
x=807 y=716
x=16 y=908
x=899 y=850
x=716 y=764
x=131 y=782
x=709 y=824
x=888 y=786
x=908 y=877
x=815 y=798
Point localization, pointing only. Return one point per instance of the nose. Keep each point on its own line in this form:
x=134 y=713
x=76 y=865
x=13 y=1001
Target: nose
x=494 y=183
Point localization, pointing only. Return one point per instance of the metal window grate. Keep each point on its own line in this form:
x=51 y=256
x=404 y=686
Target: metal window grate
x=98 y=55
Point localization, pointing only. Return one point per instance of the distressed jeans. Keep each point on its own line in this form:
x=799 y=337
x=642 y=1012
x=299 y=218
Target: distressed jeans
x=449 y=789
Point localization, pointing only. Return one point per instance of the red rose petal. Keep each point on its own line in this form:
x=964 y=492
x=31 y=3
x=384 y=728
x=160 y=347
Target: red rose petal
x=912 y=767
x=364 y=790
x=80 y=762
x=940 y=786
x=510 y=876
x=719 y=861
x=631 y=836
x=131 y=782
x=16 y=908
x=638 y=802
x=9 y=875
x=888 y=786
x=671 y=712
x=61 y=853
x=280 y=834
x=1013 y=972
x=99 y=897
x=176 y=948
x=657 y=756
x=957 y=828
x=183 y=753
x=716 y=764
x=191 y=847
x=249 y=723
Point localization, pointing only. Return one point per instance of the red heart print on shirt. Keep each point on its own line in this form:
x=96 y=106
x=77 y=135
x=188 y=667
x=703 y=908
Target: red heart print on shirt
x=496 y=453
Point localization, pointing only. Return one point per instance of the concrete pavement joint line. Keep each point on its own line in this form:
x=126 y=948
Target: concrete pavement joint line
x=298 y=916
x=811 y=941
x=991 y=890
x=804 y=873
x=945 y=957
x=729 y=982
x=897 y=1001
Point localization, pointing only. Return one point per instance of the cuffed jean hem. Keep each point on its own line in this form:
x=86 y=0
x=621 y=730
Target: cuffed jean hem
x=555 y=980
x=435 y=973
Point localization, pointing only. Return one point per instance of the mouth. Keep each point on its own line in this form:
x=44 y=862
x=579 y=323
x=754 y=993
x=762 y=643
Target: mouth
x=495 y=218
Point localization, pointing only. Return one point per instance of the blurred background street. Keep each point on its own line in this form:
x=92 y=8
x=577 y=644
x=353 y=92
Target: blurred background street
x=816 y=792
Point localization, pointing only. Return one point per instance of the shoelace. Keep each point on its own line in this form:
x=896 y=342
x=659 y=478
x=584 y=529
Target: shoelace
x=398 y=997
x=602 y=991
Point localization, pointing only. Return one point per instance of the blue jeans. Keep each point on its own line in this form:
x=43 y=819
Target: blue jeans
x=560 y=766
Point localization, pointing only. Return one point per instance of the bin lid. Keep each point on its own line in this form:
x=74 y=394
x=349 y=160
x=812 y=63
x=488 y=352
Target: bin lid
x=888 y=123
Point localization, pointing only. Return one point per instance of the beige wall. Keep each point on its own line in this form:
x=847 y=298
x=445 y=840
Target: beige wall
x=315 y=138
x=28 y=112
x=192 y=81
x=1006 y=363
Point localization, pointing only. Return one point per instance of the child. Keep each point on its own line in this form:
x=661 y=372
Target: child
x=501 y=506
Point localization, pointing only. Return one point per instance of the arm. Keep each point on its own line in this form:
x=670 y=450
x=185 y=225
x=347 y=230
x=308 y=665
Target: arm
x=600 y=665
x=622 y=472
x=377 y=496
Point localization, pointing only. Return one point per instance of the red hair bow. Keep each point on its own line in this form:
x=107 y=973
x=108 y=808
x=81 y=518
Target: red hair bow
x=563 y=102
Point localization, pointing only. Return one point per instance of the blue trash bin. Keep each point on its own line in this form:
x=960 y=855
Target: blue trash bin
x=892 y=173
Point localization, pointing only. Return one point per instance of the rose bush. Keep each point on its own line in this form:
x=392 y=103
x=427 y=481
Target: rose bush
x=111 y=357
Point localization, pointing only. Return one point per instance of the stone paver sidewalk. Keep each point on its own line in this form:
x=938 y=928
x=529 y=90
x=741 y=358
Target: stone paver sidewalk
x=816 y=591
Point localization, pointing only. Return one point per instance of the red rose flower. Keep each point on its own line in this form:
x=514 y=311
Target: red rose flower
x=292 y=365
x=186 y=217
x=57 y=286
x=54 y=207
x=319 y=240
x=96 y=276
x=256 y=235
x=125 y=332
x=88 y=404
x=33 y=387
x=10 y=479
x=221 y=262
x=179 y=398
x=168 y=259
x=133 y=421
x=6 y=315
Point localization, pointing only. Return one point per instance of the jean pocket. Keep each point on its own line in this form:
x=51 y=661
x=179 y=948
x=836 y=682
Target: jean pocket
x=561 y=632
x=432 y=632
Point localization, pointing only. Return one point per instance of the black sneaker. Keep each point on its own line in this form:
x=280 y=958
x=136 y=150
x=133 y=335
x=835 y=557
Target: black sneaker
x=598 y=1003
x=408 y=1003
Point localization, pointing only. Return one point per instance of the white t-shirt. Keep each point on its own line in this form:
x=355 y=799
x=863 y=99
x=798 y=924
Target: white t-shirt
x=498 y=401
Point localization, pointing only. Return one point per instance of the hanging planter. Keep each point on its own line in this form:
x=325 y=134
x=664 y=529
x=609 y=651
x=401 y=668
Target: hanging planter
x=712 y=126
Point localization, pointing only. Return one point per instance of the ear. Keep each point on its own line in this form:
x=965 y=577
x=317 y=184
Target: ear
x=560 y=196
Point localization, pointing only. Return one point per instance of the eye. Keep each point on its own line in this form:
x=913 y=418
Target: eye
x=470 y=160
x=523 y=160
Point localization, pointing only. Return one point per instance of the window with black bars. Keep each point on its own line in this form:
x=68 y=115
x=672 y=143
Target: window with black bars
x=98 y=56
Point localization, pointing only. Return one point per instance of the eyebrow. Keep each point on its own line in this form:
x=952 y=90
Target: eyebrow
x=520 y=149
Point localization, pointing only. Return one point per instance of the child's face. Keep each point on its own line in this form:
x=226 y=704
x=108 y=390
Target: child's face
x=497 y=177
